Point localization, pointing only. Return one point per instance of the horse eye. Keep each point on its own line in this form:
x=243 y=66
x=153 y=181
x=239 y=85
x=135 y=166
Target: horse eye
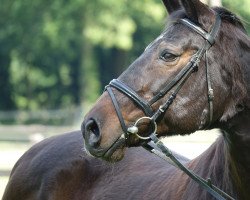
x=167 y=57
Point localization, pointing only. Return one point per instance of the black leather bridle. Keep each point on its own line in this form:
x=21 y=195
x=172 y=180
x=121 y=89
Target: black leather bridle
x=153 y=144
x=177 y=82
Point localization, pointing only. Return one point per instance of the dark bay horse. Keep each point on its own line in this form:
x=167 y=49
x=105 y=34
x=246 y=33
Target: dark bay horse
x=214 y=95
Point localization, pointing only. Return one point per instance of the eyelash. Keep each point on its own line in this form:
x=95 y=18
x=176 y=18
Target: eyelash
x=171 y=57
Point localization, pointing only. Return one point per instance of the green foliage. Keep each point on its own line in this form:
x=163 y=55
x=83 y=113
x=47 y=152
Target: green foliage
x=51 y=46
x=241 y=8
x=54 y=54
x=43 y=40
x=109 y=26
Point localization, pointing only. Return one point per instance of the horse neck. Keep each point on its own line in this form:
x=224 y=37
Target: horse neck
x=236 y=130
x=227 y=164
x=231 y=150
x=215 y=163
x=237 y=137
x=227 y=161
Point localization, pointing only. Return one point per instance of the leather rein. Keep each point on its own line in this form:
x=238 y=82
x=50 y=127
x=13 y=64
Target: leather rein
x=152 y=143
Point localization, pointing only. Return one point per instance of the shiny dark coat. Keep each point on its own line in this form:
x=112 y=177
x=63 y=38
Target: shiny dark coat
x=59 y=169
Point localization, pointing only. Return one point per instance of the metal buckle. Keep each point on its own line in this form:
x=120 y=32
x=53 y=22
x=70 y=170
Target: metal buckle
x=210 y=94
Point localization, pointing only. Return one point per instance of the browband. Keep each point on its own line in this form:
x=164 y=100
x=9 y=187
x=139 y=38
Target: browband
x=210 y=37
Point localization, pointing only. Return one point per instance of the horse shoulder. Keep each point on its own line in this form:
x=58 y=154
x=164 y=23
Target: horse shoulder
x=59 y=168
x=54 y=167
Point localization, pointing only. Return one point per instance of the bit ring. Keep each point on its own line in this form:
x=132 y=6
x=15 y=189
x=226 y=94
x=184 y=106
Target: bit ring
x=134 y=129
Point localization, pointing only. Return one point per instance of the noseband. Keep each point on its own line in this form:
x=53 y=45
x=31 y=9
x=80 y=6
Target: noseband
x=177 y=82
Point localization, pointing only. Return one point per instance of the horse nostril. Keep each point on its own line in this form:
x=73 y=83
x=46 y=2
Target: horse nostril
x=92 y=132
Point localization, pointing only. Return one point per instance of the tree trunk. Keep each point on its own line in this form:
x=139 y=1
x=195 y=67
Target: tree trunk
x=6 y=101
x=112 y=63
x=89 y=74
x=119 y=61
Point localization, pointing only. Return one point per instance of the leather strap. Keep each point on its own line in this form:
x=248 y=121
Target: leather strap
x=159 y=149
x=210 y=37
x=135 y=97
x=117 y=109
x=163 y=108
x=210 y=93
x=169 y=86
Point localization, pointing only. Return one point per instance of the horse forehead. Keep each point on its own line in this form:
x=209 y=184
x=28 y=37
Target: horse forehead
x=160 y=37
x=172 y=34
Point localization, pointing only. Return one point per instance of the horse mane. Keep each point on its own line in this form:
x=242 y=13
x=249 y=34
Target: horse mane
x=225 y=15
x=230 y=17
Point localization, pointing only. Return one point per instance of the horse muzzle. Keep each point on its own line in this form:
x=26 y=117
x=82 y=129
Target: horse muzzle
x=92 y=136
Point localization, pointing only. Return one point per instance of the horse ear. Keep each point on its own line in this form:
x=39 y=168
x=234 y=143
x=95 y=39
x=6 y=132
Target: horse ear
x=196 y=10
x=172 y=5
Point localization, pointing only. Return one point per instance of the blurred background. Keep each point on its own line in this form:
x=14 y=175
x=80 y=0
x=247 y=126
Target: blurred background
x=57 y=56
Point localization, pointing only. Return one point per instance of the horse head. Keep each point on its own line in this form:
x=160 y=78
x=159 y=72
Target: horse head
x=184 y=81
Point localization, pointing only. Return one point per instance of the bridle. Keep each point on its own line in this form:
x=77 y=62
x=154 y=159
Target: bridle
x=153 y=144
x=177 y=82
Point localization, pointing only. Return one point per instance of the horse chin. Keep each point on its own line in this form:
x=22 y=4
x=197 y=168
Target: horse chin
x=116 y=152
x=116 y=156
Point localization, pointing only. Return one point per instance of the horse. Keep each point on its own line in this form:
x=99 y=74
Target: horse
x=197 y=73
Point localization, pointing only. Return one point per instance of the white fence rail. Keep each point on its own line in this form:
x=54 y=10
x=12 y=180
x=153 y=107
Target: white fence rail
x=67 y=116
